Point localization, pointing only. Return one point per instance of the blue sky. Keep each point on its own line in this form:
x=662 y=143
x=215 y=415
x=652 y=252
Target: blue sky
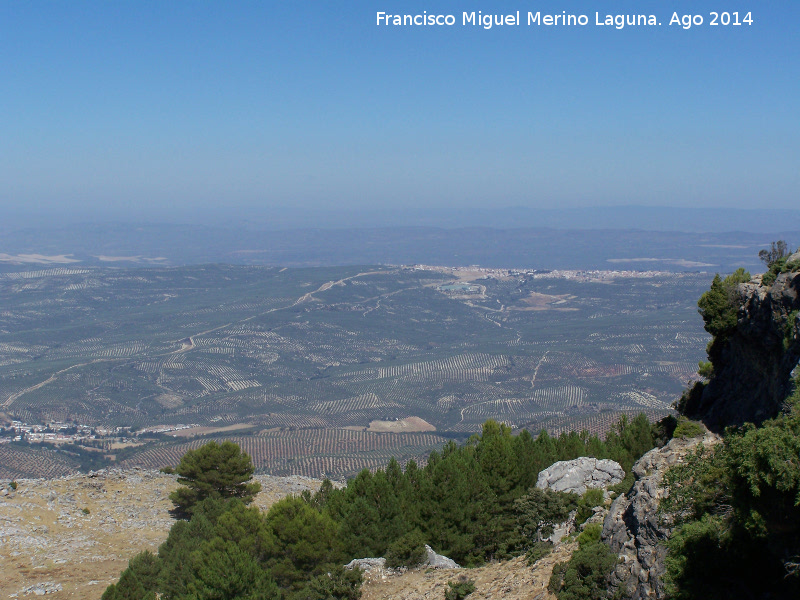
x=129 y=107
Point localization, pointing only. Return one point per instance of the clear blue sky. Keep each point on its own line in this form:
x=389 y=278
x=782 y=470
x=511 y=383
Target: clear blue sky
x=133 y=105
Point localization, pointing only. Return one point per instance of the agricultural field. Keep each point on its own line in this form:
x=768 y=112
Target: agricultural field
x=311 y=351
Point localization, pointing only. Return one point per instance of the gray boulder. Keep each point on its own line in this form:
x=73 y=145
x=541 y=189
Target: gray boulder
x=437 y=561
x=576 y=476
x=367 y=564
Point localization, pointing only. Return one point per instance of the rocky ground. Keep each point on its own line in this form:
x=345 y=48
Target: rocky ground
x=510 y=580
x=71 y=537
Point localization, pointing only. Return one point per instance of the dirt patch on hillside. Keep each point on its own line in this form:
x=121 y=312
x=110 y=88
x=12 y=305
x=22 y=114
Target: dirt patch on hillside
x=407 y=425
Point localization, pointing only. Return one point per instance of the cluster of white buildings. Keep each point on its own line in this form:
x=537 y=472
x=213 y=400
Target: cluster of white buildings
x=57 y=432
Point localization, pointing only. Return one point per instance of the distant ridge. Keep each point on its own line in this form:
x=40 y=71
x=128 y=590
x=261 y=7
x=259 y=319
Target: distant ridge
x=651 y=218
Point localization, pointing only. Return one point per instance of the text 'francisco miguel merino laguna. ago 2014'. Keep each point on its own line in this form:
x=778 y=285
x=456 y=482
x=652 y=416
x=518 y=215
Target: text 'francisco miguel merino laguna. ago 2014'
x=487 y=21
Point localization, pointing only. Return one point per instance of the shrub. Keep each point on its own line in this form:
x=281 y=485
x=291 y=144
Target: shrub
x=337 y=584
x=705 y=369
x=13 y=485
x=590 y=535
x=538 y=551
x=85 y=510
x=737 y=515
x=407 y=551
x=591 y=498
x=624 y=486
x=459 y=589
x=775 y=269
x=688 y=429
x=586 y=575
x=539 y=511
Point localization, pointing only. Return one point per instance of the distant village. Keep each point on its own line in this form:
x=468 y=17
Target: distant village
x=70 y=433
x=582 y=275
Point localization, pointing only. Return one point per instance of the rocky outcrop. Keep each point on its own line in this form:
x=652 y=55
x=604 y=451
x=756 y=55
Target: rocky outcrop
x=635 y=530
x=432 y=560
x=576 y=476
x=439 y=561
x=752 y=376
x=367 y=564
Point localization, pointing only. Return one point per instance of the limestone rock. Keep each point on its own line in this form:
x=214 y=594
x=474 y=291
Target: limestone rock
x=437 y=561
x=576 y=476
x=367 y=564
x=753 y=376
x=635 y=530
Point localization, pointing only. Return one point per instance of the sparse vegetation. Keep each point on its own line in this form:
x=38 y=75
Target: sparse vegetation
x=460 y=588
x=688 y=429
x=538 y=551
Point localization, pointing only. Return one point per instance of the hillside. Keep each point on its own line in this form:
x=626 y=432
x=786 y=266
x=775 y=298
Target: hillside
x=49 y=543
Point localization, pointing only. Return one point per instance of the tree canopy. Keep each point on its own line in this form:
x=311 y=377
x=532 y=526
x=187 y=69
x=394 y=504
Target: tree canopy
x=779 y=250
x=214 y=470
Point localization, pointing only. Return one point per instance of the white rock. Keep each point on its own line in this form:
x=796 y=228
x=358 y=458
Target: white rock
x=576 y=476
x=437 y=561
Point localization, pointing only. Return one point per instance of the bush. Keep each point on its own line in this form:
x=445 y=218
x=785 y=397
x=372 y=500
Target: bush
x=337 y=584
x=688 y=429
x=590 y=535
x=85 y=510
x=538 y=551
x=705 y=369
x=586 y=575
x=624 y=486
x=539 y=511
x=591 y=498
x=408 y=551
x=13 y=485
x=459 y=589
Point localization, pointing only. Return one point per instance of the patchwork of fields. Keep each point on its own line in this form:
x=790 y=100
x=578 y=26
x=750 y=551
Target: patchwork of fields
x=327 y=348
